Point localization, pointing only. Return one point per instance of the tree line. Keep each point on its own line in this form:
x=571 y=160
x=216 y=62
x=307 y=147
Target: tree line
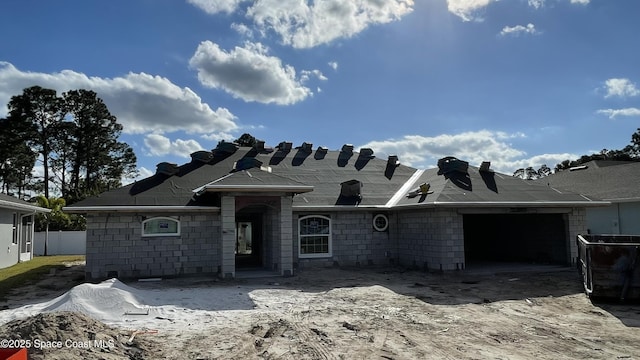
x=630 y=152
x=73 y=137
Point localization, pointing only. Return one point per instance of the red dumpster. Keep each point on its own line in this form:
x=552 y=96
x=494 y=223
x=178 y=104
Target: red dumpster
x=13 y=354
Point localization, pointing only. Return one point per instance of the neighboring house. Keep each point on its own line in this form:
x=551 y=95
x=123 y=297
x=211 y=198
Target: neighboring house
x=16 y=230
x=293 y=208
x=615 y=181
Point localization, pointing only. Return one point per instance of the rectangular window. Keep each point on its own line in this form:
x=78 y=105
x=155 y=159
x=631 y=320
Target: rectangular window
x=315 y=236
x=14 y=240
x=160 y=226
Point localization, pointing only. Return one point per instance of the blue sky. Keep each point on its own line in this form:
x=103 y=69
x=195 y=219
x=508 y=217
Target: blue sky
x=515 y=82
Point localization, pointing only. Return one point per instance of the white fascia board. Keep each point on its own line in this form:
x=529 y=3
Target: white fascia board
x=521 y=203
x=17 y=206
x=158 y=208
x=339 y=208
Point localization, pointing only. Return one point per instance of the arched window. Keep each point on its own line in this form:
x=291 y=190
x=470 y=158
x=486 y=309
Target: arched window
x=315 y=236
x=161 y=226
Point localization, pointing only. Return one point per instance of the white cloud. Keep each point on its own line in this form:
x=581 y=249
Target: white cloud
x=305 y=75
x=143 y=173
x=304 y=25
x=220 y=136
x=536 y=3
x=142 y=103
x=158 y=145
x=620 y=87
x=333 y=65
x=248 y=73
x=216 y=6
x=519 y=29
x=613 y=113
x=467 y=9
x=243 y=30
x=474 y=147
x=551 y=160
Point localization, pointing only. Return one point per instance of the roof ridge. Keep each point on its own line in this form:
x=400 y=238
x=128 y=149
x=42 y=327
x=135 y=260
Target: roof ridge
x=404 y=189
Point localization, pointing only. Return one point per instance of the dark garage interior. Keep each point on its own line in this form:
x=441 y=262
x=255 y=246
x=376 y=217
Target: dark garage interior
x=523 y=238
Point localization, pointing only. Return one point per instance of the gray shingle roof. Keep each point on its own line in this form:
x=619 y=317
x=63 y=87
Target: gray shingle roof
x=607 y=180
x=479 y=188
x=10 y=202
x=253 y=180
x=299 y=170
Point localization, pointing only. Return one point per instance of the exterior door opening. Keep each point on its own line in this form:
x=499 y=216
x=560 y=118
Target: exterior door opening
x=249 y=241
x=243 y=240
x=26 y=238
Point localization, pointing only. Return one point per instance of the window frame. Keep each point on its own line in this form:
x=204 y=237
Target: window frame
x=14 y=238
x=159 y=218
x=329 y=237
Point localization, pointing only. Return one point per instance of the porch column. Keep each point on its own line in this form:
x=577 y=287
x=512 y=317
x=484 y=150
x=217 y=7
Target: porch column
x=286 y=236
x=228 y=243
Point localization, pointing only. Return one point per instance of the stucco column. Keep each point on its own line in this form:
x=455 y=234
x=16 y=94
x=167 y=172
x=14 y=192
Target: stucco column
x=228 y=243
x=286 y=236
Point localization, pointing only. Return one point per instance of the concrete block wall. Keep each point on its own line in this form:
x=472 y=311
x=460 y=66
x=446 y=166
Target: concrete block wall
x=576 y=222
x=431 y=239
x=227 y=245
x=285 y=253
x=354 y=241
x=272 y=239
x=115 y=246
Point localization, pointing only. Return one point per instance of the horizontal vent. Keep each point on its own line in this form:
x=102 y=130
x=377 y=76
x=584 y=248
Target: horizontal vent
x=451 y=164
x=366 y=152
x=247 y=163
x=351 y=188
x=202 y=156
x=306 y=147
x=347 y=148
x=167 y=168
x=285 y=146
x=226 y=147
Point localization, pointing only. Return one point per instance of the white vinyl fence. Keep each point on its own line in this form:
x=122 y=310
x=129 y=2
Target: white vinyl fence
x=60 y=243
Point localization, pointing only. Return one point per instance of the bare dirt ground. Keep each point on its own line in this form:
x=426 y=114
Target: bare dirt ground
x=361 y=314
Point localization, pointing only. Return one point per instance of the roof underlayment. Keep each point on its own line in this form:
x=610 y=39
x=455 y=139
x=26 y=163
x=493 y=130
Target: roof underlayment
x=317 y=177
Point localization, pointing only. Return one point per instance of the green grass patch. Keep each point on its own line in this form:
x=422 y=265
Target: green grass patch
x=31 y=271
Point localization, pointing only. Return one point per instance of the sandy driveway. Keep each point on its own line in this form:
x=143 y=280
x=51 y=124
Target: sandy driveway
x=332 y=314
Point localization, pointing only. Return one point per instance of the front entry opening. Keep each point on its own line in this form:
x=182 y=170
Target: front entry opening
x=243 y=241
x=249 y=242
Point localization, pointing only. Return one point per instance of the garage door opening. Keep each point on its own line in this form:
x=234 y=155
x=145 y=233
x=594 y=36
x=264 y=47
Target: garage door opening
x=516 y=238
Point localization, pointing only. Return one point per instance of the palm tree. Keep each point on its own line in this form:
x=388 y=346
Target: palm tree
x=56 y=218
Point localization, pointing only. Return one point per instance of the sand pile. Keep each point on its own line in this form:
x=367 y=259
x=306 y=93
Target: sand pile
x=107 y=301
x=110 y=301
x=146 y=306
x=73 y=335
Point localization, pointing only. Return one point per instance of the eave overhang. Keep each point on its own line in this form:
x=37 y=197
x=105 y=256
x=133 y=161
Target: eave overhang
x=508 y=204
x=457 y=205
x=25 y=207
x=339 y=207
x=140 y=208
